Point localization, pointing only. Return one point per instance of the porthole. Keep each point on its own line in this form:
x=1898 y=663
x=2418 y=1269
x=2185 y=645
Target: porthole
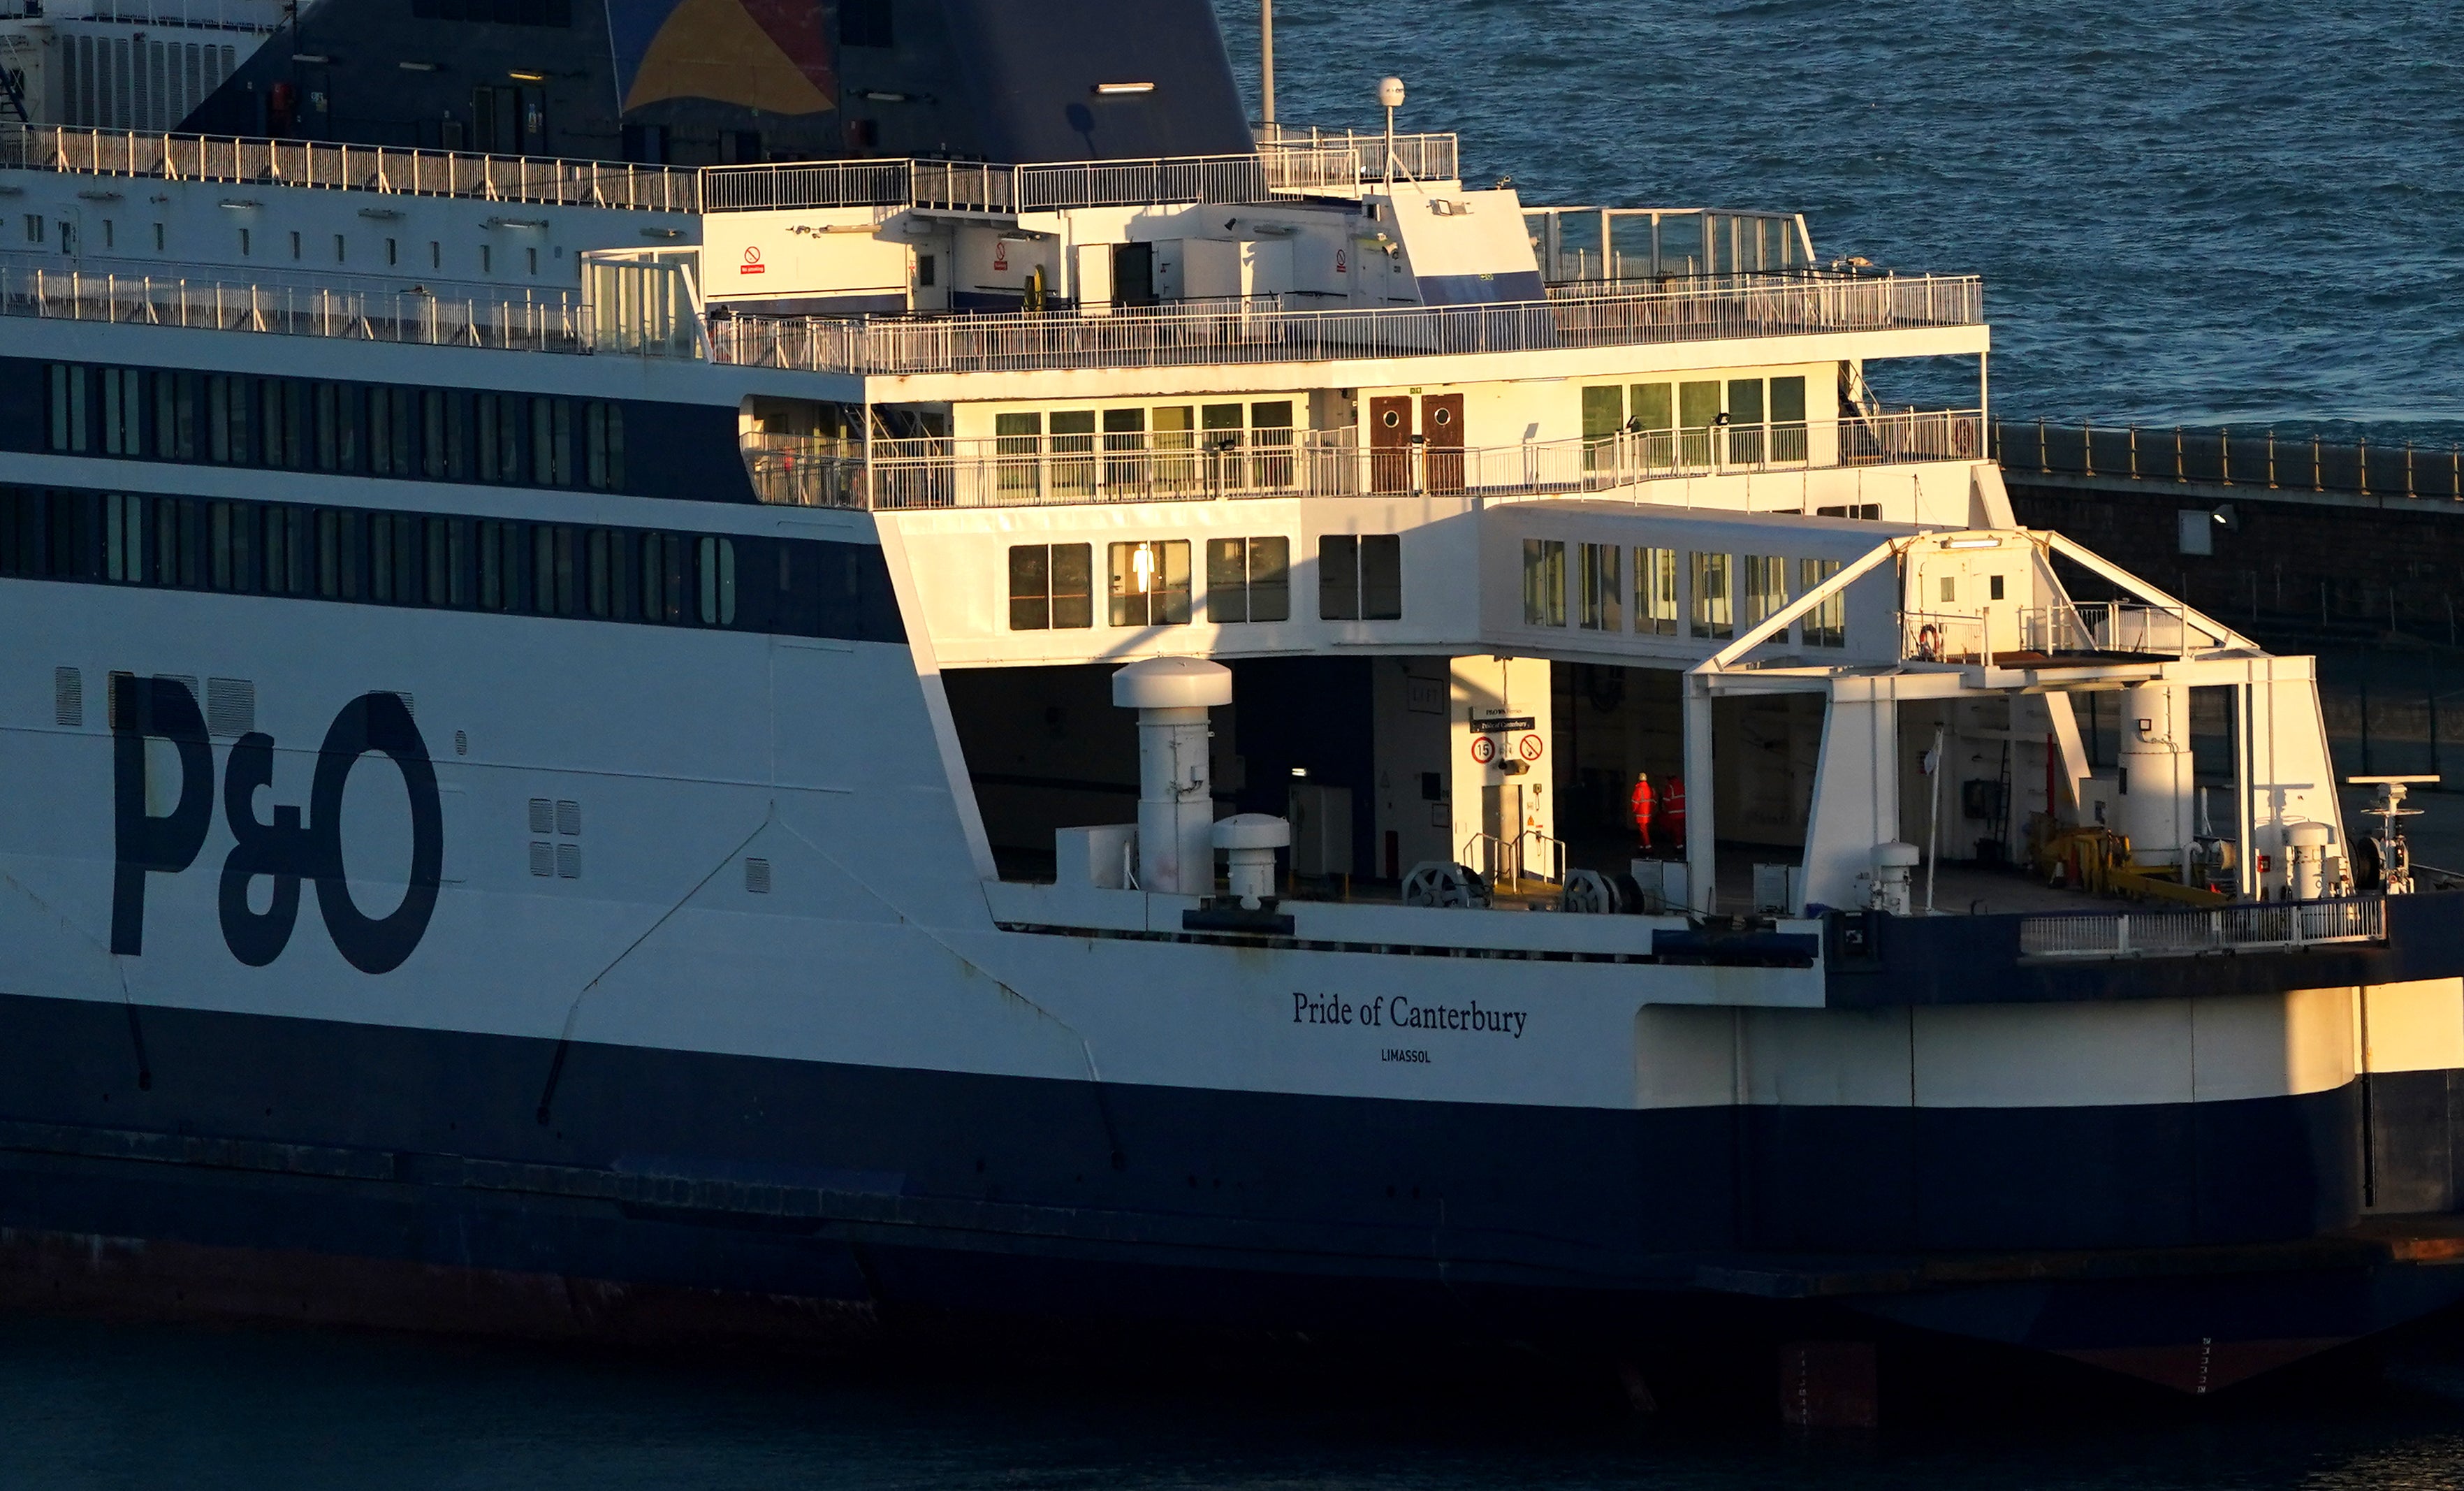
x=1391 y=419
x=1441 y=416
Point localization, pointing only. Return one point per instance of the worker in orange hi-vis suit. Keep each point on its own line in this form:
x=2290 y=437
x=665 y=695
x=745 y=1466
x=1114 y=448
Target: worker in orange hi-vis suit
x=1642 y=803
x=1672 y=811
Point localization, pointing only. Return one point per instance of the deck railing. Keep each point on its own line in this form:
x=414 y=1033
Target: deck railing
x=1298 y=157
x=378 y=168
x=2229 y=457
x=2265 y=927
x=1197 y=466
x=543 y=321
x=1169 y=335
x=1287 y=168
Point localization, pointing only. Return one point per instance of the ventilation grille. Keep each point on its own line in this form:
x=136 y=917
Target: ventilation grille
x=568 y=819
x=68 y=698
x=543 y=816
x=231 y=707
x=756 y=876
x=542 y=857
x=568 y=862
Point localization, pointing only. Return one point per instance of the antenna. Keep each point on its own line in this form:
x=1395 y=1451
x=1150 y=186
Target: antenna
x=1390 y=93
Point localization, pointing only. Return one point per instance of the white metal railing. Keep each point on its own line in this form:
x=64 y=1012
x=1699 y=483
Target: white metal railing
x=949 y=186
x=1298 y=157
x=2113 y=626
x=1578 y=244
x=377 y=169
x=1941 y=637
x=540 y=321
x=2266 y=926
x=240 y=15
x=1052 y=470
x=1167 y=336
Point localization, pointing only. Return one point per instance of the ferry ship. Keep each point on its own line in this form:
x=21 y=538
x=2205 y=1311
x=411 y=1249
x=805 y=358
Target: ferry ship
x=652 y=750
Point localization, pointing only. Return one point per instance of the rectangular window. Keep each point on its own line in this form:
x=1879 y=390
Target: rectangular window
x=498 y=434
x=123 y=538
x=1338 y=577
x=175 y=416
x=1073 y=446
x=124 y=411
x=552 y=442
x=1271 y=439
x=1654 y=591
x=1049 y=587
x=1826 y=626
x=1788 y=419
x=227 y=415
x=1744 y=422
x=1698 y=409
x=1017 y=443
x=1603 y=416
x=68 y=406
x=1381 y=577
x=1543 y=582
x=717 y=576
x=1766 y=587
x=1714 y=606
x=1174 y=441
x=605 y=468
x=1150 y=583
x=1249 y=579
x=1125 y=444
x=1603 y=587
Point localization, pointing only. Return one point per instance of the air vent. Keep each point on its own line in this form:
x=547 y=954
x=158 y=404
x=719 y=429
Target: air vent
x=231 y=707
x=68 y=698
x=111 y=697
x=568 y=819
x=568 y=862
x=756 y=876
x=542 y=858
x=461 y=742
x=543 y=816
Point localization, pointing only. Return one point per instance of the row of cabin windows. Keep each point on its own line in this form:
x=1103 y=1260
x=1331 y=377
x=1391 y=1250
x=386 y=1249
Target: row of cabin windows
x=1761 y=419
x=796 y=586
x=1147 y=583
x=439 y=434
x=1593 y=593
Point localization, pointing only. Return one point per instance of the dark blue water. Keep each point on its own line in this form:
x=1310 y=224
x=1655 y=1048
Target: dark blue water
x=2198 y=211
x=99 y=1406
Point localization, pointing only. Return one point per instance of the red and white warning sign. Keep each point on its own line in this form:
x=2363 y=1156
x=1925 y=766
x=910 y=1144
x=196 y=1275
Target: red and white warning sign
x=752 y=264
x=1001 y=255
x=1528 y=748
x=1484 y=749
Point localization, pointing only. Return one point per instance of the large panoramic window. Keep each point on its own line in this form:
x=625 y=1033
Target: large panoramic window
x=1826 y=626
x=1361 y=576
x=1150 y=583
x=1654 y=591
x=1603 y=591
x=1714 y=612
x=1543 y=582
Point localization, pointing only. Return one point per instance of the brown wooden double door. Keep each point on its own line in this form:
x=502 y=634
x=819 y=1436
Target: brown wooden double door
x=1438 y=435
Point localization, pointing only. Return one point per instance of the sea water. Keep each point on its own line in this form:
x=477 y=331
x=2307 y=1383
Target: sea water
x=2242 y=212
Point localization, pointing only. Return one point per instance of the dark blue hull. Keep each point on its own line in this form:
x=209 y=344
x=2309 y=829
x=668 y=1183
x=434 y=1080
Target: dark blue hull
x=492 y=1183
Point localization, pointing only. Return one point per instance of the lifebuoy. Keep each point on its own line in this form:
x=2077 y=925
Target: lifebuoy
x=1928 y=642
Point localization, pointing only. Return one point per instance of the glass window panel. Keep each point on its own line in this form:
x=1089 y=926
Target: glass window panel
x=1714 y=612
x=1227 y=580
x=1338 y=577
x=1654 y=591
x=1073 y=446
x=1698 y=405
x=1073 y=585
x=1543 y=582
x=1766 y=586
x=1030 y=587
x=1270 y=579
x=1826 y=626
x=1603 y=587
x=1381 y=577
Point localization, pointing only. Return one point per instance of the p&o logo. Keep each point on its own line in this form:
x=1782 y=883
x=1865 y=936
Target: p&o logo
x=289 y=850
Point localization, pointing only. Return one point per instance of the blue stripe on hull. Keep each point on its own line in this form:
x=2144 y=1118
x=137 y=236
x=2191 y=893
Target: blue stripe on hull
x=816 y=1182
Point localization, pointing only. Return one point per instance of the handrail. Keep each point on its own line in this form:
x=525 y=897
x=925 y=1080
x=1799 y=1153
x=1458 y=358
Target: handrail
x=1168 y=335
x=2225 y=457
x=1276 y=168
x=2286 y=925
x=1196 y=466
x=542 y=322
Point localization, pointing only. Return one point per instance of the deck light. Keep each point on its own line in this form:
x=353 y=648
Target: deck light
x=312 y=59
x=521 y=76
x=1115 y=90
x=1972 y=543
x=416 y=67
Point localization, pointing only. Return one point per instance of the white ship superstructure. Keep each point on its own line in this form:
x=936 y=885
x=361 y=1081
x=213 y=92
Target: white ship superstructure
x=720 y=730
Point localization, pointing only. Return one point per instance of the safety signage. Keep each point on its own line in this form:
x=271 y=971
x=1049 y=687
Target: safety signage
x=1484 y=749
x=1528 y=748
